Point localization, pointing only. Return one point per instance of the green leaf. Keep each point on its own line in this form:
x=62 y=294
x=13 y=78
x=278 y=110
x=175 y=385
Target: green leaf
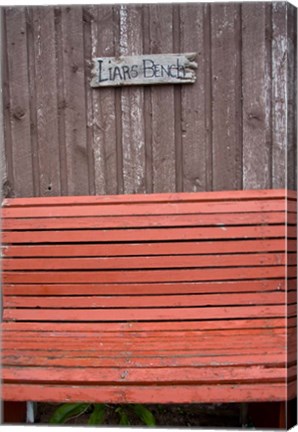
x=97 y=415
x=65 y=411
x=124 y=420
x=145 y=415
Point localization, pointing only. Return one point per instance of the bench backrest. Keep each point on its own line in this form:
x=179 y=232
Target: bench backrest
x=218 y=259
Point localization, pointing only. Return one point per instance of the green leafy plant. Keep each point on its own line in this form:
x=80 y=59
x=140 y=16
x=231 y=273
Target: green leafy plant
x=98 y=414
x=123 y=420
x=68 y=411
x=144 y=414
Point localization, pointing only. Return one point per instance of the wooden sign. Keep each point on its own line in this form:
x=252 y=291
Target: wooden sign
x=144 y=69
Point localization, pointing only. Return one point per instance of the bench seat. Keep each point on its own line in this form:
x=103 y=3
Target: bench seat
x=163 y=298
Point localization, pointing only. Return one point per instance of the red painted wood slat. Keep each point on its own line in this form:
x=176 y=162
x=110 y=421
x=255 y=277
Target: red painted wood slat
x=156 y=314
x=150 y=394
x=149 y=288
x=160 y=375
x=32 y=223
x=148 y=262
x=144 y=301
x=125 y=327
x=148 y=234
x=150 y=208
x=129 y=249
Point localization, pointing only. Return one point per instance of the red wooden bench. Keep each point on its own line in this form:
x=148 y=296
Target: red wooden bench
x=163 y=298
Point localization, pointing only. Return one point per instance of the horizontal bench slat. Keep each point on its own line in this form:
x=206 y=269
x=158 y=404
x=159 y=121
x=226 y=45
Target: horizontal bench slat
x=147 y=314
x=144 y=262
x=146 y=301
x=122 y=276
x=32 y=223
x=132 y=352
x=138 y=375
x=163 y=208
x=150 y=394
x=128 y=347
x=186 y=360
x=134 y=276
x=150 y=234
x=172 y=248
x=154 y=197
x=178 y=334
x=149 y=288
x=242 y=323
x=131 y=344
x=151 y=349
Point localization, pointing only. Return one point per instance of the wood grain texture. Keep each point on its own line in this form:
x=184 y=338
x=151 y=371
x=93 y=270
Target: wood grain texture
x=256 y=82
x=149 y=289
x=127 y=327
x=193 y=101
x=154 y=314
x=143 y=301
x=19 y=94
x=74 y=101
x=151 y=221
x=165 y=207
x=132 y=103
x=291 y=108
x=88 y=18
x=46 y=99
x=148 y=262
x=163 y=127
x=4 y=153
x=279 y=94
x=103 y=105
x=163 y=375
x=226 y=96
x=152 y=394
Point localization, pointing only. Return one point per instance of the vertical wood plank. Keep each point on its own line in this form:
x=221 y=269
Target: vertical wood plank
x=30 y=30
x=163 y=128
x=103 y=101
x=279 y=94
x=194 y=136
x=147 y=105
x=256 y=67
x=178 y=124
x=226 y=96
x=284 y=95
x=132 y=101
x=4 y=115
x=117 y=107
x=291 y=107
x=46 y=101
x=208 y=96
x=88 y=18
x=60 y=98
x=75 y=103
x=17 y=56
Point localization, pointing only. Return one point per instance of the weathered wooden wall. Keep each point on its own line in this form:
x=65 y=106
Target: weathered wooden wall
x=233 y=129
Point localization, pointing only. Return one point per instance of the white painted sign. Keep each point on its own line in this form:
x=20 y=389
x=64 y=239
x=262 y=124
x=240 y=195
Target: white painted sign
x=144 y=69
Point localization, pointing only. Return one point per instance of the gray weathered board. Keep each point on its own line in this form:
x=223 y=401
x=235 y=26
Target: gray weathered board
x=144 y=69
